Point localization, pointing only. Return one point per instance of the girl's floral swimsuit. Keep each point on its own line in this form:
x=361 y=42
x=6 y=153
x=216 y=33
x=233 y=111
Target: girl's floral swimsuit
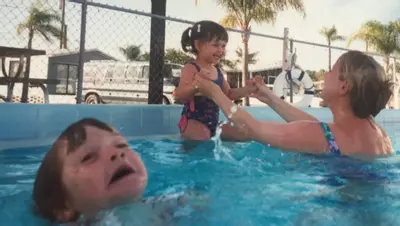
x=202 y=109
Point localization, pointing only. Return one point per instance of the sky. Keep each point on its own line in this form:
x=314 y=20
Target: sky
x=109 y=30
x=346 y=15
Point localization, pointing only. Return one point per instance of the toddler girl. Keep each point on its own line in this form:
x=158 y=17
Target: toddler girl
x=200 y=115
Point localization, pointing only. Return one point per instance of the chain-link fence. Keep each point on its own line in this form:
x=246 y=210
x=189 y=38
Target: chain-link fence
x=97 y=53
x=37 y=25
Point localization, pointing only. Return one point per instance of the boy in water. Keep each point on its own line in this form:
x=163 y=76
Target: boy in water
x=90 y=168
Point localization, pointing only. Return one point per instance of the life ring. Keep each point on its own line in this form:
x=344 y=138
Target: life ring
x=301 y=81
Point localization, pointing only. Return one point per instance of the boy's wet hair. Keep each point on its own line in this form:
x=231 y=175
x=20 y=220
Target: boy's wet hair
x=49 y=194
x=203 y=31
x=371 y=88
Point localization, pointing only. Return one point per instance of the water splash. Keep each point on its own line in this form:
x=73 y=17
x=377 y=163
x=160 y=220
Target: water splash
x=219 y=149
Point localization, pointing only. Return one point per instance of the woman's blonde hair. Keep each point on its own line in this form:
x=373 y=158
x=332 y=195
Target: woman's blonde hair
x=371 y=89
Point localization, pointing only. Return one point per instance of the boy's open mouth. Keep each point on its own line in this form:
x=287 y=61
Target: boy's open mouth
x=120 y=173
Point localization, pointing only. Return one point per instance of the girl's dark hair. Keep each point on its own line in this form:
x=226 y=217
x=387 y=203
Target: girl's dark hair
x=49 y=194
x=203 y=31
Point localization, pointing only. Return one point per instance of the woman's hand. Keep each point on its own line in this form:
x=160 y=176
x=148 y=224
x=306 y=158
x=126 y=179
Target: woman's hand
x=251 y=85
x=262 y=93
x=205 y=86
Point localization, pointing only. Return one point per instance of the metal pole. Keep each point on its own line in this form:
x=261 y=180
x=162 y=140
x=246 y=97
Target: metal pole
x=81 y=53
x=285 y=48
x=291 y=45
x=62 y=24
x=285 y=63
x=290 y=78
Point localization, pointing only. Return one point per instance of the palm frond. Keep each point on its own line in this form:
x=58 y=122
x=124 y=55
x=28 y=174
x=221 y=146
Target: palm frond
x=49 y=31
x=259 y=11
x=382 y=37
x=21 y=27
x=229 y=20
x=281 y=5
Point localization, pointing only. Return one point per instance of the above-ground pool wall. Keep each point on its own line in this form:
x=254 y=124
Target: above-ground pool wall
x=34 y=122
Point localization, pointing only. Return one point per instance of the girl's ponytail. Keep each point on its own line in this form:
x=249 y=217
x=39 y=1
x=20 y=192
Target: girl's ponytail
x=186 y=40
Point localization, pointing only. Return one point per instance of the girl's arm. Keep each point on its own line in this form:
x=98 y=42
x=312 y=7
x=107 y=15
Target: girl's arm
x=300 y=136
x=185 y=89
x=235 y=93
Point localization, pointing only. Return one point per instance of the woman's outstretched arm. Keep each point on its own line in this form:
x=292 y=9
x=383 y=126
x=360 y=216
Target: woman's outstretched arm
x=287 y=111
x=300 y=136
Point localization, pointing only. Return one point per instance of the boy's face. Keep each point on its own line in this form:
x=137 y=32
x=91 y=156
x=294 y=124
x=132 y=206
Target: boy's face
x=102 y=172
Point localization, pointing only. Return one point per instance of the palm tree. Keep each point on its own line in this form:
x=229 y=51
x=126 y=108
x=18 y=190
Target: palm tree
x=331 y=35
x=367 y=32
x=251 y=57
x=39 y=21
x=241 y=13
x=231 y=64
x=383 y=38
x=177 y=56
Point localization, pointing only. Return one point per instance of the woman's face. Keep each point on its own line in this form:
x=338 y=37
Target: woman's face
x=333 y=86
x=102 y=172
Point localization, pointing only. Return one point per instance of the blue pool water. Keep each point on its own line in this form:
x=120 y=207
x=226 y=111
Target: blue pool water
x=261 y=186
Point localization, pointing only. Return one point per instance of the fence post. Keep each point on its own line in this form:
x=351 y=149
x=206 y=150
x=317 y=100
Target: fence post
x=291 y=46
x=285 y=48
x=285 y=65
x=395 y=86
x=292 y=65
x=81 y=52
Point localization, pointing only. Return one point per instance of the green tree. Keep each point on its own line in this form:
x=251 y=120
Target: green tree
x=251 y=57
x=131 y=52
x=241 y=13
x=366 y=33
x=177 y=56
x=231 y=64
x=316 y=75
x=331 y=35
x=145 y=56
x=39 y=21
x=383 y=38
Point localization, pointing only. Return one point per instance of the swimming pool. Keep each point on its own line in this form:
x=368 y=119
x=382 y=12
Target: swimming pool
x=261 y=186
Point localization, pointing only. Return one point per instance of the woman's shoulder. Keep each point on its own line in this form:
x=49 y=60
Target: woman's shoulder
x=373 y=139
x=383 y=141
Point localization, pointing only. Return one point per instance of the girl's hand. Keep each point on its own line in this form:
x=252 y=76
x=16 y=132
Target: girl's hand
x=251 y=84
x=263 y=93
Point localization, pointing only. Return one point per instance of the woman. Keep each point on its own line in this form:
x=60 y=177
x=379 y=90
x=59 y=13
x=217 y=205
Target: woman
x=355 y=91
